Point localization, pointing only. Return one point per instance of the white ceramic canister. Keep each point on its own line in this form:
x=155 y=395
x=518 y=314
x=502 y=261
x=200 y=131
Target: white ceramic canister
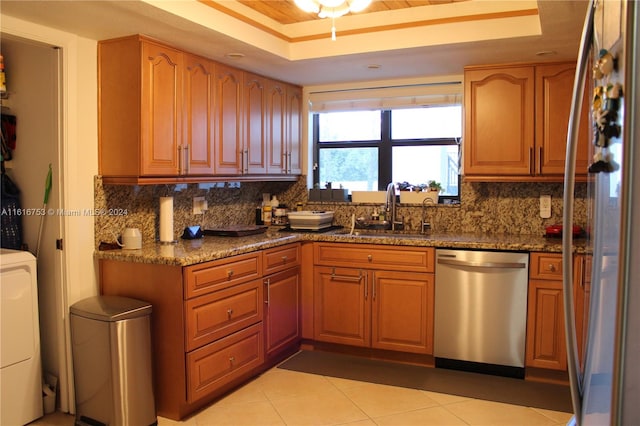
x=131 y=239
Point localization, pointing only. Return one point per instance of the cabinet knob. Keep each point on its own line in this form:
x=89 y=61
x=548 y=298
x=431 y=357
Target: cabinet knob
x=230 y=273
x=229 y=312
x=552 y=267
x=232 y=359
x=370 y=258
x=284 y=259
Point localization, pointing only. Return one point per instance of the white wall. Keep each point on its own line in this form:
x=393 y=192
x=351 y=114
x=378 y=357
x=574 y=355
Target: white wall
x=73 y=183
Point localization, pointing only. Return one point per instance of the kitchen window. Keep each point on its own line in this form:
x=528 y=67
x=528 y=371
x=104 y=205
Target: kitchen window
x=365 y=150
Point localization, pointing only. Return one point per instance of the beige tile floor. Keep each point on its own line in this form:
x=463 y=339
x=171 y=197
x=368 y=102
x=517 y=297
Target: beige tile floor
x=282 y=397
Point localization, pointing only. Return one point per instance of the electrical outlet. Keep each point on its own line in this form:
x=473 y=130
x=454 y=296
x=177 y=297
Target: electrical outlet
x=545 y=206
x=199 y=205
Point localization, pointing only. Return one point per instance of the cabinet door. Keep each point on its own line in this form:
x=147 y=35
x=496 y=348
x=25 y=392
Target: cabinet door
x=198 y=98
x=228 y=121
x=277 y=139
x=161 y=109
x=499 y=120
x=581 y=296
x=341 y=306
x=554 y=88
x=254 y=154
x=546 y=347
x=402 y=318
x=282 y=304
x=294 y=130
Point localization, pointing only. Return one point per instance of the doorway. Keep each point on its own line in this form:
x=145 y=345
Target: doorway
x=34 y=97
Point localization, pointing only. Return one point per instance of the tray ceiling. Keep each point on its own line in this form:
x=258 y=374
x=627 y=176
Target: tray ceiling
x=286 y=11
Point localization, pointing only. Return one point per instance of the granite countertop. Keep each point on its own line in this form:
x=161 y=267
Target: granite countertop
x=189 y=252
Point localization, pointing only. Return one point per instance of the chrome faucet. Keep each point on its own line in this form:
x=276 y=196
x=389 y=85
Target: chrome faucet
x=424 y=225
x=390 y=207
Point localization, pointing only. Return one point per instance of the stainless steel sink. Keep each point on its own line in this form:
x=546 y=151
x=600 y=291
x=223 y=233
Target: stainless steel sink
x=387 y=233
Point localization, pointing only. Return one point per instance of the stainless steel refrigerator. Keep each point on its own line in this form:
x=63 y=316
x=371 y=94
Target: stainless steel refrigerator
x=607 y=390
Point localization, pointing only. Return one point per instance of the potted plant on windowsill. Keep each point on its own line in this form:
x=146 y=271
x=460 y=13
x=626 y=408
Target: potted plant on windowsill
x=415 y=194
x=434 y=189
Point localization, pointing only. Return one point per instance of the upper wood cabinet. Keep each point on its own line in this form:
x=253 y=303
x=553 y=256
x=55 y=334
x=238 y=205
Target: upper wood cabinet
x=228 y=121
x=170 y=116
x=140 y=108
x=254 y=154
x=516 y=120
x=285 y=132
x=554 y=89
x=277 y=134
x=198 y=111
x=294 y=130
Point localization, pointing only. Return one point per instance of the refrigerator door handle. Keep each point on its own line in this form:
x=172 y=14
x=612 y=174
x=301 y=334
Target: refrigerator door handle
x=573 y=364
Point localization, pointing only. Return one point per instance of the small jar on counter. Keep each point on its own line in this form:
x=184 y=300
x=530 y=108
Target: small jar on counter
x=266 y=215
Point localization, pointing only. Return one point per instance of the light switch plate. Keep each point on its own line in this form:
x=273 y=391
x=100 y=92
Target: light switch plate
x=545 y=206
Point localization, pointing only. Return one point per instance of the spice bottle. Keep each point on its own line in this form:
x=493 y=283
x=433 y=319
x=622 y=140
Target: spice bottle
x=266 y=215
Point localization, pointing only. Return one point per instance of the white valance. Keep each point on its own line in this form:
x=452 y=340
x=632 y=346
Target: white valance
x=387 y=97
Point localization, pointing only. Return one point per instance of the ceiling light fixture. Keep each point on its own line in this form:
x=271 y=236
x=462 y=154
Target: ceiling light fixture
x=332 y=9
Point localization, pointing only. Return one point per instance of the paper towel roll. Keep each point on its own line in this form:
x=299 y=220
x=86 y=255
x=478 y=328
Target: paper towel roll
x=166 y=219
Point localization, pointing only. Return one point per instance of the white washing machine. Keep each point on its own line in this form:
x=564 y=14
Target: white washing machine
x=21 y=370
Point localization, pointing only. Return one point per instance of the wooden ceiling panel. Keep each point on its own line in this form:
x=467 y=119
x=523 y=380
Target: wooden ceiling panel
x=286 y=11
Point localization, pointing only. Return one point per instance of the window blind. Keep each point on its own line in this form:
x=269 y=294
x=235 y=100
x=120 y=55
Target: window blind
x=388 y=97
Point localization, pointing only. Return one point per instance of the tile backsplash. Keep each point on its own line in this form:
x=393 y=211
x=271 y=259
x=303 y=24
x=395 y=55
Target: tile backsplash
x=485 y=207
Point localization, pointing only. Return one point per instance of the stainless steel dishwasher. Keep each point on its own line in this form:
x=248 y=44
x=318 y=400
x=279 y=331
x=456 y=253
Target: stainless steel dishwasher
x=481 y=311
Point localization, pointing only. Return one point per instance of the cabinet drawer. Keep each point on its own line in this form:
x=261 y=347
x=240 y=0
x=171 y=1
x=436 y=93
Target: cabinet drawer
x=390 y=258
x=206 y=277
x=546 y=266
x=280 y=258
x=223 y=312
x=223 y=361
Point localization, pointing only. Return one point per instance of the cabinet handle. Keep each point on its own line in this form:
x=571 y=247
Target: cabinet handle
x=345 y=277
x=289 y=162
x=268 y=284
x=373 y=285
x=229 y=312
x=180 y=160
x=366 y=286
x=245 y=163
x=531 y=166
x=187 y=159
x=540 y=161
x=229 y=273
x=242 y=162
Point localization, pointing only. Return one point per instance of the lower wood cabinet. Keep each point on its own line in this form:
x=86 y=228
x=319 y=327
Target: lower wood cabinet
x=379 y=309
x=282 y=311
x=282 y=319
x=546 y=344
x=223 y=361
x=214 y=324
x=371 y=306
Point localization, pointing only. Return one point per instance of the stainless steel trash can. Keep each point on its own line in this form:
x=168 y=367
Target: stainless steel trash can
x=111 y=350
